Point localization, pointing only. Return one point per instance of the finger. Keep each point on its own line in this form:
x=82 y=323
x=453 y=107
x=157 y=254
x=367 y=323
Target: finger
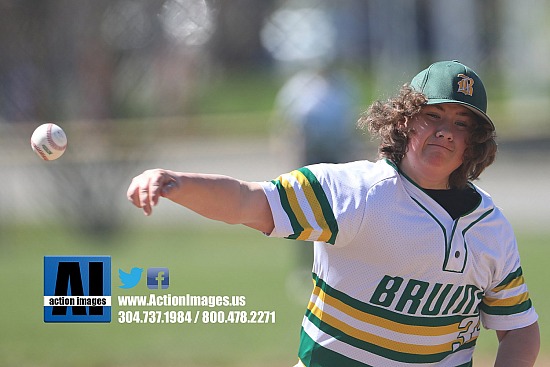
x=132 y=193
x=144 y=200
x=155 y=185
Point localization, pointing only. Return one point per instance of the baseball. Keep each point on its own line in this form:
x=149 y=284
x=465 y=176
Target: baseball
x=49 y=141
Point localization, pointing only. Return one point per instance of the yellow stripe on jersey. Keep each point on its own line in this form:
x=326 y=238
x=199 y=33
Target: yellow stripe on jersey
x=314 y=204
x=396 y=337
x=519 y=281
x=509 y=297
x=506 y=302
x=383 y=322
x=296 y=209
x=378 y=340
x=311 y=218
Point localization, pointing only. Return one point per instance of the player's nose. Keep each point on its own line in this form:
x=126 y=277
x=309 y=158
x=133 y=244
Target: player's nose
x=444 y=131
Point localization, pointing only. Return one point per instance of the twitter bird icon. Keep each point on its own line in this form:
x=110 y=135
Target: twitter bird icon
x=131 y=279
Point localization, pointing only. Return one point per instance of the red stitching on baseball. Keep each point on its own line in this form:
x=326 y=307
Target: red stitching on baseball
x=39 y=151
x=50 y=139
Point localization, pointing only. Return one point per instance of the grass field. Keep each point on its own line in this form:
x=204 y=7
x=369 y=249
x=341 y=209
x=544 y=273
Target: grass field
x=216 y=260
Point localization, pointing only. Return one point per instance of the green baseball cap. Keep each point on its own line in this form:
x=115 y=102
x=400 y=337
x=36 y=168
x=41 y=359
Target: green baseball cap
x=453 y=82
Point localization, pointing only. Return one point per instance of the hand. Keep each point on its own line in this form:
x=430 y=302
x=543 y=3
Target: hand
x=146 y=189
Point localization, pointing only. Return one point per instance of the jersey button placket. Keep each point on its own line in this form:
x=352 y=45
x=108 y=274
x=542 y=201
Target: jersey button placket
x=456 y=255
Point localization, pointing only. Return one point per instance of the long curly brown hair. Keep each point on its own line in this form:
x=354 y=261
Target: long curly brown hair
x=386 y=120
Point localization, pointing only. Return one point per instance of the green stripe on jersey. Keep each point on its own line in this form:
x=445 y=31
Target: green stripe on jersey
x=296 y=227
x=385 y=313
x=323 y=357
x=511 y=277
x=323 y=202
x=506 y=310
x=318 y=200
x=313 y=354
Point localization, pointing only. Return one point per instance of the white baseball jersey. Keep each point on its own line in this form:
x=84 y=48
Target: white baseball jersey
x=397 y=281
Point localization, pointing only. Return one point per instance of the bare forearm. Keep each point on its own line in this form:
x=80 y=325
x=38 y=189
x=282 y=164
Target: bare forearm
x=518 y=348
x=212 y=196
x=216 y=197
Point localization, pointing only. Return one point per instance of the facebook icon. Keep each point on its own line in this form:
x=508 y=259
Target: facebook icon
x=158 y=278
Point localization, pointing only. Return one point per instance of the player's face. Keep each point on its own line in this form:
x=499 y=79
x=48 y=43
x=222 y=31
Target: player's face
x=438 y=139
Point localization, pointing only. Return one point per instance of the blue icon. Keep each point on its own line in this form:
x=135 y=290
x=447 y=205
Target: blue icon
x=131 y=279
x=158 y=278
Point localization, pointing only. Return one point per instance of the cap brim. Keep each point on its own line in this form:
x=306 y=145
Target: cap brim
x=472 y=108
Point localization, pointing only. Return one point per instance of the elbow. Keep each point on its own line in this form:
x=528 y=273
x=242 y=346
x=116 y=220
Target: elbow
x=519 y=347
x=230 y=221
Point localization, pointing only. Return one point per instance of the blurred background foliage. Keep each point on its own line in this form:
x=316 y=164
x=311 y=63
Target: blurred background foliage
x=125 y=78
x=72 y=60
x=194 y=85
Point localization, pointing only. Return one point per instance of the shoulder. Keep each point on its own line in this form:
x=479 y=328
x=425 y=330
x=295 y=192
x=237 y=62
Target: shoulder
x=487 y=205
x=356 y=174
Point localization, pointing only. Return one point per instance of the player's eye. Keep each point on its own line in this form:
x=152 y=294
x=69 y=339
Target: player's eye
x=432 y=115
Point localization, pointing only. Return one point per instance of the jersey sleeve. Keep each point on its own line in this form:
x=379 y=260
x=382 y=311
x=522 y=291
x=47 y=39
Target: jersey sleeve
x=312 y=204
x=507 y=304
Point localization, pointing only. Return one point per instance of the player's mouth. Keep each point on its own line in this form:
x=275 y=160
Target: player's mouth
x=441 y=146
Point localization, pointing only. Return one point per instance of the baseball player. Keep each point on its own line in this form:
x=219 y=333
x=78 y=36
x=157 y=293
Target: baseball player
x=411 y=258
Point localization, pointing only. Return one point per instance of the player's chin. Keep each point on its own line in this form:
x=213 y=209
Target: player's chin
x=442 y=157
x=442 y=167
